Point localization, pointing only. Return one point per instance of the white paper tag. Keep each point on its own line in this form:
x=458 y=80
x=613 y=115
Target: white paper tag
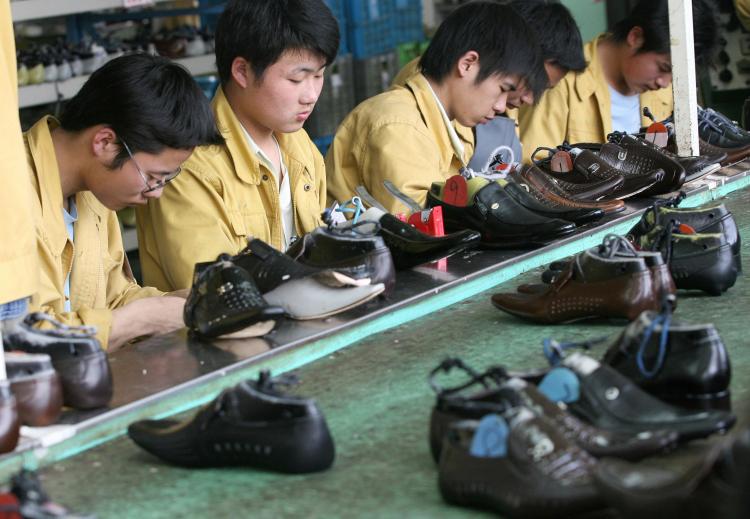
x=337 y=216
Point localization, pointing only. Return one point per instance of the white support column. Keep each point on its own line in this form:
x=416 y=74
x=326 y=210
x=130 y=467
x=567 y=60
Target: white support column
x=683 y=76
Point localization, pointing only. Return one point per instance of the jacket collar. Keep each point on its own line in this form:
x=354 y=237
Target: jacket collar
x=430 y=111
x=246 y=163
x=592 y=77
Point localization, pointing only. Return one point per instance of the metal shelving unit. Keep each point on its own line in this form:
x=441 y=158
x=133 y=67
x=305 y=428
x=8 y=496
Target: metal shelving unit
x=43 y=93
x=24 y=10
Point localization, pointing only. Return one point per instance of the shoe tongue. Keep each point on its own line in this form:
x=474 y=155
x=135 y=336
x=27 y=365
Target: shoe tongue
x=581 y=364
x=490 y=438
x=561 y=385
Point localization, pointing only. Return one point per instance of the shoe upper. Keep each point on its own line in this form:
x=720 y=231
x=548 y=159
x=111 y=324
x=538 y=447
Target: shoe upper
x=533 y=199
x=551 y=186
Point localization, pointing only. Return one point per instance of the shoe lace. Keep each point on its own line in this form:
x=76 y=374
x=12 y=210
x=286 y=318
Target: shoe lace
x=653 y=210
x=554 y=350
x=448 y=365
x=616 y=245
x=664 y=241
x=706 y=121
x=663 y=319
x=718 y=118
x=353 y=206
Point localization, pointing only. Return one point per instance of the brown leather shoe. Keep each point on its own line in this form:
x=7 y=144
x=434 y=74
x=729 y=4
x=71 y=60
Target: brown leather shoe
x=552 y=189
x=36 y=386
x=591 y=286
x=732 y=154
x=9 y=424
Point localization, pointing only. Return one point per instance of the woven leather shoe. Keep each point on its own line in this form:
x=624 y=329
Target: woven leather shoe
x=251 y=424
x=603 y=166
x=528 y=196
x=495 y=391
x=36 y=386
x=592 y=286
x=502 y=221
x=555 y=190
x=637 y=161
x=357 y=251
x=533 y=472
x=683 y=364
x=609 y=400
x=76 y=356
x=224 y=300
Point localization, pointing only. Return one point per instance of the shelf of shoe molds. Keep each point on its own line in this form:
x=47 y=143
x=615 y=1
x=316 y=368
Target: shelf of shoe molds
x=32 y=95
x=35 y=9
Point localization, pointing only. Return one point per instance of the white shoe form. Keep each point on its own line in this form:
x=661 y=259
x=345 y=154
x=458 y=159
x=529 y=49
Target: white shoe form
x=306 y=298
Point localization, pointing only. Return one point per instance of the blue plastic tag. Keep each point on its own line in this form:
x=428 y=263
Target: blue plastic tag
x=491 y=438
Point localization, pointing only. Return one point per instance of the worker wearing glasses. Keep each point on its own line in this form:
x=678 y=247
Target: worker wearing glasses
x=118 y=143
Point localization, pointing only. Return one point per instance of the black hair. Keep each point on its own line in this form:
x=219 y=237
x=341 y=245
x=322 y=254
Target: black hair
x=150 y=102
x=653 y=17
x=260 y=31
x=504 y=42
x=556 y=30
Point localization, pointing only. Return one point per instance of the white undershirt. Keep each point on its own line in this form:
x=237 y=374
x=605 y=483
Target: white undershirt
x=626 y=112
x=285 y=191
x=458 y=146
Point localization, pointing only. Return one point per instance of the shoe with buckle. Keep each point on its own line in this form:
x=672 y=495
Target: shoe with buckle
x=503 y=222
x=224 y=301
x=496 y=391
x=252 y=424
x=534 y=200
x=592 y=285
x=603 y=397
x=357 y=251
x=554 y=189
x=518 y=465
x=76 y=355
x=36 y=386
x=684 y=364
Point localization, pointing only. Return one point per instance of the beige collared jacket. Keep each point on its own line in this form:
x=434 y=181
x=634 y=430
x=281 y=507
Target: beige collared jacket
x=224 y=196
x=399 y=136
x=100 y=276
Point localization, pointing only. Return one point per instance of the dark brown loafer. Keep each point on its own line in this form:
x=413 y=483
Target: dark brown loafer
x=9 y=424
x=36 y=387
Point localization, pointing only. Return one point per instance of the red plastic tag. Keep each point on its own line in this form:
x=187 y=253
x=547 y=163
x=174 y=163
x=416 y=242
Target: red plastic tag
x=684 y=228
x=561 y=162
x=456 y=191
x=658 y=134
x=429 y=221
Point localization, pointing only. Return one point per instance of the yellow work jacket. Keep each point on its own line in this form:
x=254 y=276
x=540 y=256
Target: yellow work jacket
x=19 y=268
x=399 y=136
x=743 y=12
x=579 y=108
x=100 y=276
x=224 y=196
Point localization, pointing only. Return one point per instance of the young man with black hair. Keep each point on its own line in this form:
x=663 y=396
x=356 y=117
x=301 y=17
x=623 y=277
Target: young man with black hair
x=120 y=140
x=420 y=133
x=628 y=69
x=268 y=180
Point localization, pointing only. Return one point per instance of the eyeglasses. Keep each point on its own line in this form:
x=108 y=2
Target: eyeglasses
x=159 y=183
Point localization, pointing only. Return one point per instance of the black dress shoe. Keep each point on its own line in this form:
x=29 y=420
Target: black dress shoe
x=251 y=424
x=712 y=484
x=609 y=400
x=357 y=251
x=224 y=300
x=685 y=365
x=532 y=199
x=76 y=355
x=710 y=218
x=632 y=156
x=411 y=247
x=525 y=468
x=697 y=261
x=502 y=221
x=496 y=391
x=36 y=387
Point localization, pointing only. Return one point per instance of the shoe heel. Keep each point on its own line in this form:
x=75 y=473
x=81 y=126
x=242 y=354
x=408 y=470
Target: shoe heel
x=721 y=401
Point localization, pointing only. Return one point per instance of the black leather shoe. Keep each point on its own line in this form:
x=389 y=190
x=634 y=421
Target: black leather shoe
x=76 y=355
x=609 y=400
x=717 y=130
x=251 y=424
x=602 y=167
x=685 y=365
x=531 y=472
x=533 y=200
x=710 y=218
x=711 y=483
x=411 y=247
x=224 y=300
x=501 y=220
x=697 y=261
x=357 y=251
x=36 y=387
x=632 y=156
x=495 y=391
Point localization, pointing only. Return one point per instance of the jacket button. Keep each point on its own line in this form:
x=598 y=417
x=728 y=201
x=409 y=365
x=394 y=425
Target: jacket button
x=265 y=177
x=307 y=187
